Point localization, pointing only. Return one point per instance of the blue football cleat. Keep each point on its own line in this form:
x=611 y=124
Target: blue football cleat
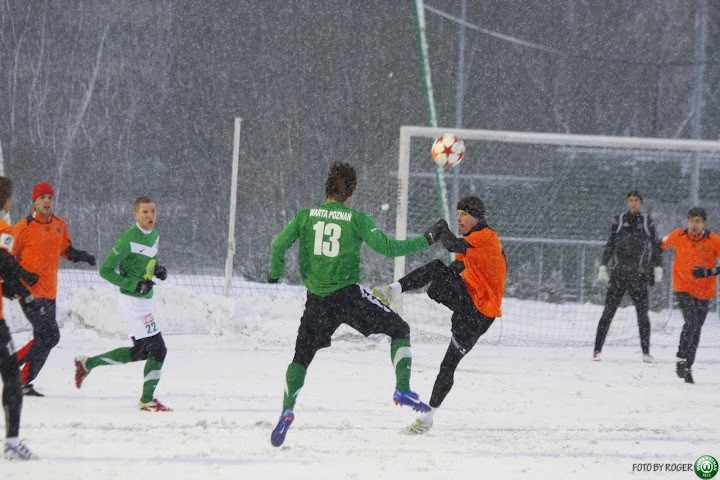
x=410 y=399
x=278 y=434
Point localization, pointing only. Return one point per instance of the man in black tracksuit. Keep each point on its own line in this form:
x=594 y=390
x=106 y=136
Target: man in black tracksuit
x=637 y=262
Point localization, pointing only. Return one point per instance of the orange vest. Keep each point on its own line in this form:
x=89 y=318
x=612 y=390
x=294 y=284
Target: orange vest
x=39 y=244
x=485 y=270
x=6 y=242
x=690 y=252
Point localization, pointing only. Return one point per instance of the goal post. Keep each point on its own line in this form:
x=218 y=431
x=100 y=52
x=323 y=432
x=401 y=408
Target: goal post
x=229 y=260
x=551 y=197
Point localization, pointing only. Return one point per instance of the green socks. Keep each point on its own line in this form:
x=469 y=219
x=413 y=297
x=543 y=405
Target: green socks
x=402 y=361
x=119 y=356
x=399 y=353
x=151 y=380
x=294 y=381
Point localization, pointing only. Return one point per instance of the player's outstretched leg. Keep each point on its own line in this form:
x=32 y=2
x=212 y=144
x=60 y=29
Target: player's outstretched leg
x=278 y=434
x=410 y=399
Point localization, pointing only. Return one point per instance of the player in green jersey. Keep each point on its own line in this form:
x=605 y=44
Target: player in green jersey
x=132 y=265
x=331 y=235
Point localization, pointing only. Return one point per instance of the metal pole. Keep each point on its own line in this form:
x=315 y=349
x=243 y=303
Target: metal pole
x=430 y=102
x=233 y=208
x=541 y=265
x=401 y=214
x=459 y=101
x=698 y=99
x=582 y=275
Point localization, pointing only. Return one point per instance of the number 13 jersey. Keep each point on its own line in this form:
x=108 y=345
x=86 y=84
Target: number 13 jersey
x=330 y=236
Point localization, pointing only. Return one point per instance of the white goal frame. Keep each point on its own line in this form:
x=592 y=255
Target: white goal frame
x=230 y=255
x=407 y=132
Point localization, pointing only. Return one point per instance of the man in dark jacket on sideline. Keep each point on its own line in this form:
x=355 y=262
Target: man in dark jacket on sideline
x=637 y=262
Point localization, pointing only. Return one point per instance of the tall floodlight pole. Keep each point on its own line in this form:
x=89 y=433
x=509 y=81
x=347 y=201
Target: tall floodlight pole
x=698 y=99
x=233 y=207
x=459 y=100
x=430 y=100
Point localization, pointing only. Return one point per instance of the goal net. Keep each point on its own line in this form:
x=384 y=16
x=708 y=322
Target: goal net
x=552 y=198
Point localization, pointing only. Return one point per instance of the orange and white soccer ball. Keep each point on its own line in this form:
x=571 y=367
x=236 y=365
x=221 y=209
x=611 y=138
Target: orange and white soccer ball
x=448 y=150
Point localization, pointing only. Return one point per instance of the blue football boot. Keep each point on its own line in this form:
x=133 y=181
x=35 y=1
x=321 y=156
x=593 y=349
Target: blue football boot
x=278 y=434
x=410 y=399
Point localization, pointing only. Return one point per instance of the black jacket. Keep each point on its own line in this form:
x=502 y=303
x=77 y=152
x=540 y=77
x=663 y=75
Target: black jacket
x=633 y=245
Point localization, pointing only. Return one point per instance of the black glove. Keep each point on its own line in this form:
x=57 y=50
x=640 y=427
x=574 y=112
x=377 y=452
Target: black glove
x=273 y=280
x=160 y=272
x=10 y=270
x=28 y=277
x=434 y=233
x=8 y=291
x=144 y=287
x=457 y=267
x=13 y=289
x=453 y=243
x=700 y=272
x=79 y=256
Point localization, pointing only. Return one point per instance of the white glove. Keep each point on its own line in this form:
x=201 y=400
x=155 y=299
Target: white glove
x=603 y=274
x=657 y=274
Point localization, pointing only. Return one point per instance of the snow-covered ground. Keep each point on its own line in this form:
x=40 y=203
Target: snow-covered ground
x=515 y=411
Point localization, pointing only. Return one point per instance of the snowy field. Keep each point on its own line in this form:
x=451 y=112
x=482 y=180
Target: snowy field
x=515 y=411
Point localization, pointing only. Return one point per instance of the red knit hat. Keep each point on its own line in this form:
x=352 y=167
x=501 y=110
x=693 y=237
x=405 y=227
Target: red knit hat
x=42 y=188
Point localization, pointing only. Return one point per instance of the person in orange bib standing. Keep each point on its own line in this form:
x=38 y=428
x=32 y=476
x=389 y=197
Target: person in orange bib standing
x=41 y=239
x=694 y=269
x=11 y=287
x=472 y=286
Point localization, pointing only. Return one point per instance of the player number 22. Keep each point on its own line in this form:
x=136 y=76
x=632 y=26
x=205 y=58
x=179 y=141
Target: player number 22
x=327 y=239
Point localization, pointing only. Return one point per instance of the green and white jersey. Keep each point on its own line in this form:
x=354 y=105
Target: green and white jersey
x=330 y=236
x=131 y=260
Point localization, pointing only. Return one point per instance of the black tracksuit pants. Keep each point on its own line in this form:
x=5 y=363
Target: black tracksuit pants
x=46 y=334
x=694 y=311
x=12 y=392
x=635 y=284
x=468 y=324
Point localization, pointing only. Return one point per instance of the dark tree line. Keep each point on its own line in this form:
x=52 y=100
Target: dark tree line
x=111 y=100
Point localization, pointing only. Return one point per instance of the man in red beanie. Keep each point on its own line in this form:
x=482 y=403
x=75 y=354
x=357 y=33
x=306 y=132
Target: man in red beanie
x=41 y=239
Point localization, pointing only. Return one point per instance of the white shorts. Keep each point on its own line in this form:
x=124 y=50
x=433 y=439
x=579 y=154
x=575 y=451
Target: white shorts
x=139 y=316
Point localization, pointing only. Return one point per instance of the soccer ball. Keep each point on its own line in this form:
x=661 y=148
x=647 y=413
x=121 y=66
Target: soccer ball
x=448 y=150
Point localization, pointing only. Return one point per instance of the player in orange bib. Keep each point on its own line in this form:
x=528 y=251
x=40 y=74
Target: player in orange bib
x=11 y=287
x=472 y=287
x=41 y=239
x=694 y=268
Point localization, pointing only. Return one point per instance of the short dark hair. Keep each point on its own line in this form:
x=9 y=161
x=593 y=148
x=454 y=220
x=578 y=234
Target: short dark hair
x=6 y=190
x=636 y=194
x=140 y=201
x=698 y=212
x=341 y=181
